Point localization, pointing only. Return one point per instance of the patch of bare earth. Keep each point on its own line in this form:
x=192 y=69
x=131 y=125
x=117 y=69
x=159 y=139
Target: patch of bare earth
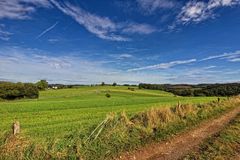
x=183 y=143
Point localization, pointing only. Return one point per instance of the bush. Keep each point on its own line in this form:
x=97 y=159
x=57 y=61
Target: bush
x=131 y=89
x=31 y=91
x=12 y=91
x=107 y=95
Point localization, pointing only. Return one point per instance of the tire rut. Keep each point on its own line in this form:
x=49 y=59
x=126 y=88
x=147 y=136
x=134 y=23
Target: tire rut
x=180 y=145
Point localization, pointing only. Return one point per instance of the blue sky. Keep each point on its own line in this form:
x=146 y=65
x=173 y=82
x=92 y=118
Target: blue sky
x=123 y=41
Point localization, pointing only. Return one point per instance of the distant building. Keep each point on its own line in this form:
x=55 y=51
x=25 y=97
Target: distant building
x=54 y=87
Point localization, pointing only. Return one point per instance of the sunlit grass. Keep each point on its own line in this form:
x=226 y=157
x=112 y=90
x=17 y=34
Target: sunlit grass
x=58 y=112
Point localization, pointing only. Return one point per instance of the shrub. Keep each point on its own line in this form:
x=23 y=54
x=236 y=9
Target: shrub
x=12 y=91
x=107 y=95
x=131 y=89
x=31 y=91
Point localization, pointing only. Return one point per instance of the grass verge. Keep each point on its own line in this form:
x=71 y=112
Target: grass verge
x=123 y=133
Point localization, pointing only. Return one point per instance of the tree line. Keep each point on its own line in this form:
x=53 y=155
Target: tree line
x=11 y=91
x=226 y=89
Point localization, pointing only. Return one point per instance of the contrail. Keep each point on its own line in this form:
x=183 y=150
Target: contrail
x=46 y=30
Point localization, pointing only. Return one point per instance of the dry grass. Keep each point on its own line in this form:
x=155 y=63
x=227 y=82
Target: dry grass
x=124 y=133
x=184 y=110
x=14 y=146
x=156 y=117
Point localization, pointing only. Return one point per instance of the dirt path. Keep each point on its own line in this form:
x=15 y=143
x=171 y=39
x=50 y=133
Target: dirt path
x=181 y=144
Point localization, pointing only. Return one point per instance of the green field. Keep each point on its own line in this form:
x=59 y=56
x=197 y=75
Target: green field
x=59 y=112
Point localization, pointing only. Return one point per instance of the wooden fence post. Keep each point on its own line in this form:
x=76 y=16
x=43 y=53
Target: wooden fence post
x=16 y=128
x=178 y=104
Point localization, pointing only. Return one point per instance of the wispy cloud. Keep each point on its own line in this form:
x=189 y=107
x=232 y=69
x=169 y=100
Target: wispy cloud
x=150 y=6
x=102 y=27
x=20 y=9
x=206 y=74
x=197 y=11
x=4 y=35
x=62 y=69
x=236 y=59
x=123 y=56
x=232 y=56
x=163 y=65
x=47 y=30
x=38 y=64
x=53 y=40
x=139 y=28
x=68 y=68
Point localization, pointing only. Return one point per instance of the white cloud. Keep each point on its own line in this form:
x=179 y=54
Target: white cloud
x=102 y=27
x=21 y=64
x=30 y=65
x=53 y=40
x=152 y=5
x=163 y=65
x=209 y=67
x=197 y=11
x=232 y=56
x=4 y=35
x=20 y=9
x=194 y=11
x=139 y=28
x=235 y=59
x=124 y=56
x=219 y=3
x=208 y=74
x=53 y=62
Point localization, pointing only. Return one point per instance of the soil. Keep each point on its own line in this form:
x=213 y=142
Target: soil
x=183 y=143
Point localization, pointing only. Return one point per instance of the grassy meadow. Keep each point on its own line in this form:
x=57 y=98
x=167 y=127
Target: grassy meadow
x=58 y=112
x=59 y=125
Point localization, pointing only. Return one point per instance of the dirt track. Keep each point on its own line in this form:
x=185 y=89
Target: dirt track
x=181 y=144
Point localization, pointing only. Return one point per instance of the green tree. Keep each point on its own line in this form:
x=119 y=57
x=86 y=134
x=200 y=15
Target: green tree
x=31 y=91
x=11 y=91
x=114 y=84
x=42 y=84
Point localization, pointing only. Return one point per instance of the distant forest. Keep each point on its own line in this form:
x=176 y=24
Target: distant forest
x=10 y=91
x=226 y=89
